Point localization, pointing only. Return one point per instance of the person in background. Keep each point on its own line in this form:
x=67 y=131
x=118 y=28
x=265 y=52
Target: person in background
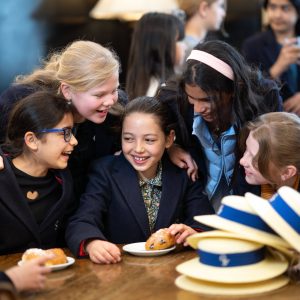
x=277 y=49
x=86 y=74
x=202 y=16
x=271 y=146
x=216 y=95
x=132 y=195
x=30 y=276
x=156 y=50
x=36 y=191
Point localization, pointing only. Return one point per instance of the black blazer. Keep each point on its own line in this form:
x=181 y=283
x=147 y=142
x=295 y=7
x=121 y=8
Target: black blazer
x=263 y=50
x=112 y=207
x=18 y=227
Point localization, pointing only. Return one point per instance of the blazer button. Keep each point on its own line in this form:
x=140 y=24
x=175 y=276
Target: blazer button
x=56 y=225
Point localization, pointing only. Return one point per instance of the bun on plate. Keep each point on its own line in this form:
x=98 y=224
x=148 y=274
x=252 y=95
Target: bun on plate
x=160 y=240
x=59 y=256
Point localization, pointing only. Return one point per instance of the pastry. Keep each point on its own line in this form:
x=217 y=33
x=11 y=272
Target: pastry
x=59 y=255
x=159 y=240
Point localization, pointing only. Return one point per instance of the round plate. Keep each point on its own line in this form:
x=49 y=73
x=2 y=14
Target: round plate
x=138 y=249
x=70 y=262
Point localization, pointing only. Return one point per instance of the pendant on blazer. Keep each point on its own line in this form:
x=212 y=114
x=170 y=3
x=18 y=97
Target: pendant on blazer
x=32 y=195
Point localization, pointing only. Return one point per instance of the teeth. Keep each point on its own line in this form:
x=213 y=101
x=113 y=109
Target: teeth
x=139 y=158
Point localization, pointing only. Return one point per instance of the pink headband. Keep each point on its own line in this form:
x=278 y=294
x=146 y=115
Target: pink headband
x=212 y=61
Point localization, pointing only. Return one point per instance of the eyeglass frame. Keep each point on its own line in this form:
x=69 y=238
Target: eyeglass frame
x=68 y=132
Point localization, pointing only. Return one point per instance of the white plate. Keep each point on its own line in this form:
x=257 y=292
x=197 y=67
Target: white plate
x=138 y=249
x=70 y=262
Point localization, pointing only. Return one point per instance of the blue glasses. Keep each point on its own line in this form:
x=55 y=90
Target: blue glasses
x=68 y=132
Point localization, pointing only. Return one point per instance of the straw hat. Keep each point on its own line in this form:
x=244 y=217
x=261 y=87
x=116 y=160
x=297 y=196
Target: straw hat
x=232 y=261
x=212 y=288
x=281 y=213
x=236 y=215
x=195 y=238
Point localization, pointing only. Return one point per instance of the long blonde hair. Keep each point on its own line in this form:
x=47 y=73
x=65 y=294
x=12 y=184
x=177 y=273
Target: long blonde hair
x=278 y=137
x=82 y=65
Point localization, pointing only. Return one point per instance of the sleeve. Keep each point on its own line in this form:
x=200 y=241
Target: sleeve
x=196 y=203
x=88 y=221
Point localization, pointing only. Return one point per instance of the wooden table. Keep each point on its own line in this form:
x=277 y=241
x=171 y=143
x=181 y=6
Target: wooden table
x=133 y=278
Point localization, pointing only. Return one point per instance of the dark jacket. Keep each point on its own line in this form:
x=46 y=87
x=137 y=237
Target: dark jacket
x=112 y=208
x=94 y=140
x=18 y=228
x=263 y=50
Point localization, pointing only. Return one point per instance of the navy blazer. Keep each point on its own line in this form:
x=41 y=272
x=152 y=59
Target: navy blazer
x=112 y=207
x=18 y=227
x=263 y=50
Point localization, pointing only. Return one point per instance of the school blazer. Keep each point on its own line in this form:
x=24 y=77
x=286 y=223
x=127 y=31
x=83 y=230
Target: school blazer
x=112 y=207
x=18 y=228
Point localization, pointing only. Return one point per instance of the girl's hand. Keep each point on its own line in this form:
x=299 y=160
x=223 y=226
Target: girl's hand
x=181 y=232
x=31 y=275
x=183 y=160
x=103 y=252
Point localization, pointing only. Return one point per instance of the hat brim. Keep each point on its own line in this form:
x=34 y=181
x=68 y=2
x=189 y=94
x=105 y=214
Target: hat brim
x=250 y=233
x=195 y=238
x=265 y=210
x=266 y=269
x=212 y=288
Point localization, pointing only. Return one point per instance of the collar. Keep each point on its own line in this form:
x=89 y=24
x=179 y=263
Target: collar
x=156 y=181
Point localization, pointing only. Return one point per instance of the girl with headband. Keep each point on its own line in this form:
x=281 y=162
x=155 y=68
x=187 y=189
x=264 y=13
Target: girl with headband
x=223 y=93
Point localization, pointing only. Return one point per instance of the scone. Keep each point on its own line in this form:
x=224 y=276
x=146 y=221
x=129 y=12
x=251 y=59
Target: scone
x=159 y=240
x=59 y=255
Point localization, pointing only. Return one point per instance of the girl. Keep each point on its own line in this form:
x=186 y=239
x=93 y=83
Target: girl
x=154 y=53
x=132 y=195
x=223 y=93
x=35 y=190
x=202 y=16
x=272 y=155
x=86 y=75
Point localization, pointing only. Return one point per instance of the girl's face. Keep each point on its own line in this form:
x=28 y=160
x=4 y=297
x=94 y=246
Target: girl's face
x=282 y=16
x=144 y=143
x=216 y=14
x=253 y=176
x=201 y=102
x=52 y=151
x=94 y=103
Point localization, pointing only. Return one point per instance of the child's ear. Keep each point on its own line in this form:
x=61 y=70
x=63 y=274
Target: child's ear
x=288 y=172
x=66 y=90
x=31 y=140
x=202 y=9
x=170 y=139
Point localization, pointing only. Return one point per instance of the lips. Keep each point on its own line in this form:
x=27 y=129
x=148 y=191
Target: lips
x=139 y=160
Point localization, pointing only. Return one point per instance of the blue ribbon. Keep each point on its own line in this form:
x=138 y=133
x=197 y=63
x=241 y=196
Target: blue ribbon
x=244 y=218
x=233 y=259
x=286 y=212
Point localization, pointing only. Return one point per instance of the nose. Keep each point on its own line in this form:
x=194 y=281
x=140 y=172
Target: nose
x=199 y=107
x=139 y=147
x=110 y=99
x=73 y=141
x=243 y=160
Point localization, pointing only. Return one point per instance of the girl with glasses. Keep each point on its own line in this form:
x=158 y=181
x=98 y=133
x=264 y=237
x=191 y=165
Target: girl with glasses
x=36 y=194
x=132 y=195
x=86 y=75
x=216 y=95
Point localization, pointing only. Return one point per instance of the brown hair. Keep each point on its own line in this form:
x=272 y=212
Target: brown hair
x=278 y=137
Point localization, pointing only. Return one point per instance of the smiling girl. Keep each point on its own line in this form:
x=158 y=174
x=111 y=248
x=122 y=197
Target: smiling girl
x=36 y=189
x=132 y=195
x=271 y=157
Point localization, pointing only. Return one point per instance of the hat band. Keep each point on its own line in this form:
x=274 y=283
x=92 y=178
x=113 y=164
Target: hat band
x=213 y=62
x=233 y=259
x=244 y=218
x=286 y=212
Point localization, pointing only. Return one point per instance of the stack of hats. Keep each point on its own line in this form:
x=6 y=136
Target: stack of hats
x=251 y=249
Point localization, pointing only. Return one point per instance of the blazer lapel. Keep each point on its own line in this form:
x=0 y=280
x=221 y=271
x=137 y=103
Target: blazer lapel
x=127 y=181
x=171 y=189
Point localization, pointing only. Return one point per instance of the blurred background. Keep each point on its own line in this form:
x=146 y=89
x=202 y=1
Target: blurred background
x=31 y=29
